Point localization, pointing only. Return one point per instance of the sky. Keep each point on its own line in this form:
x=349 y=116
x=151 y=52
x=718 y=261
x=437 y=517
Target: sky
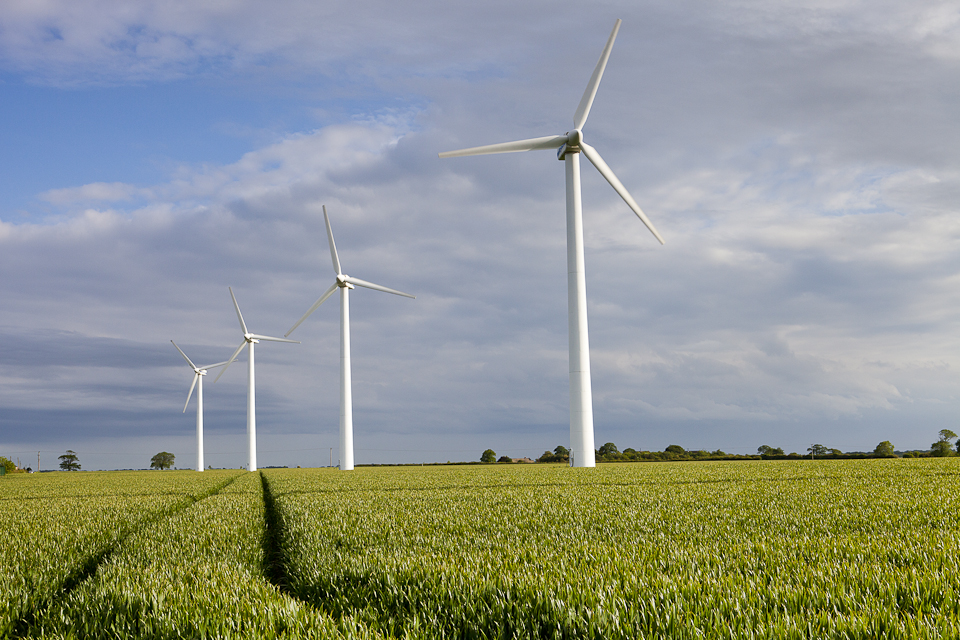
x=801 y=160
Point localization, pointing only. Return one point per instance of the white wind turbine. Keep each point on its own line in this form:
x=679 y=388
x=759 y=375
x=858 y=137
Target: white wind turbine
x=249 y=339
x=198 y=373
x=344 y=283
x=569 y=146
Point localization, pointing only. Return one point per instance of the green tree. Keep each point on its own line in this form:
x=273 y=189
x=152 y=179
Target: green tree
x=942 y=447
x=489 y=456
x=561 y=452
x=504 y=459
x=69 y=461
x=609 y=450
x=676 y=449
x=884 y=449
x=163 y=460
x=817 y=450
x=7 y=465
x=764 y=449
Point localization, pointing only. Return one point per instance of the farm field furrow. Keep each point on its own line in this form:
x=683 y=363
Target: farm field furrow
x=58 y=526
x=198 y=574
x=791 y=549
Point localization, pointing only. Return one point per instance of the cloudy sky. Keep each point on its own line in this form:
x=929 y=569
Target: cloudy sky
x=802 y=161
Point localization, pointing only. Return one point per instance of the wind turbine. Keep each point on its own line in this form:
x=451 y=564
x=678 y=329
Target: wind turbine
x=569 y=146
x=198 y=373
x=249 y=339
x=344 y=283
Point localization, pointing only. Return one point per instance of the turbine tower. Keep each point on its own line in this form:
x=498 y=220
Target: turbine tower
x=344 y=283
x=198 y=373
x=569 y=146
x=249 y=339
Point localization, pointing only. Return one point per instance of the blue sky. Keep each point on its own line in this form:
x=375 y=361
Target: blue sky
x=801 y=161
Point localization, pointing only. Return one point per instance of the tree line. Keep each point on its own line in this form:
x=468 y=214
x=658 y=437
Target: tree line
x=609 y=452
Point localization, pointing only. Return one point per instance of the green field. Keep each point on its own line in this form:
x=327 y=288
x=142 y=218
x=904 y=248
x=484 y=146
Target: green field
x=771 y=549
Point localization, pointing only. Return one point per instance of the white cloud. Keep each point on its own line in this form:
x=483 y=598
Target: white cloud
x=808 y=277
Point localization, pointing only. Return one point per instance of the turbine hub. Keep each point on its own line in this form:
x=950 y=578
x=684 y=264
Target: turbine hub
x=572 y=145
x=342 y=282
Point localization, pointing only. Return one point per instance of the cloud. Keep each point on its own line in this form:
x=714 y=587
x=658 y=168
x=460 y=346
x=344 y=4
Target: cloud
x=801 y=168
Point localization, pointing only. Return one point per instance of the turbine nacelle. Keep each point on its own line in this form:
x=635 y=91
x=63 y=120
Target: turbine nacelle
x=343 y=281
x=572 y=145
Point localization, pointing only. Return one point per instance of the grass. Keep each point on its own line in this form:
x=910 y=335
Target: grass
x=771 y=549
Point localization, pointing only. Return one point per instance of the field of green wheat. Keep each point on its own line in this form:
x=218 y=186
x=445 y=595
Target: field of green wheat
x=764 y=549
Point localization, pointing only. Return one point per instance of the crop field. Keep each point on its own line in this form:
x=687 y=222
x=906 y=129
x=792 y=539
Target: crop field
x=767 y=549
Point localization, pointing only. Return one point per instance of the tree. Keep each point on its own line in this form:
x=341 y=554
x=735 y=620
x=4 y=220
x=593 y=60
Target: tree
x=942 y=448
x=69 y=461
x=817 y=450
x=561 y=452
x=163 y=460
x=504 y=459
x=8 y=465
x=764 y=449
x=609 y=450
x=884 y=449
x=489 y=456
x=677 y=449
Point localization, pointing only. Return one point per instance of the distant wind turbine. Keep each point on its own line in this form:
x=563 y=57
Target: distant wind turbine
x=198 y=373
x=249 y=339
x=344 y=283
x=569 y=146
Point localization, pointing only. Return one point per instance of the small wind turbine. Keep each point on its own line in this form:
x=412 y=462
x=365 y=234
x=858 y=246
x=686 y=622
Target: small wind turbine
x=249 y=339
x=569 y=146
x=344 y=283
x=198 y=373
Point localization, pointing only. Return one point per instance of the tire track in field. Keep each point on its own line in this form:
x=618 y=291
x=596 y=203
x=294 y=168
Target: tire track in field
x=274 y=562
x=89 y=567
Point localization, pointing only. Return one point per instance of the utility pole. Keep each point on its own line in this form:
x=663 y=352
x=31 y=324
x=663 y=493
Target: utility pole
x=331 y=456
x=38 y=462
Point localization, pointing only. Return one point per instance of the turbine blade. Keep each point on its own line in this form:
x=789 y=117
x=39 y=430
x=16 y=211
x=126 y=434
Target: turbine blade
x=257 y=336
x=230 y=361
x=607 y=173
x=243 y=325
x=196 y=376
x=583 y=109
x=333 y=245
x=316 y=304
x=547 y=142
x=185 y=356
x=214 y=366
x=377 y=287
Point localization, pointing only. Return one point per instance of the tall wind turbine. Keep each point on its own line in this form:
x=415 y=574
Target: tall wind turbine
x=344 y=283
x=198 y=373
x=569 y=146
x=249 y=339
